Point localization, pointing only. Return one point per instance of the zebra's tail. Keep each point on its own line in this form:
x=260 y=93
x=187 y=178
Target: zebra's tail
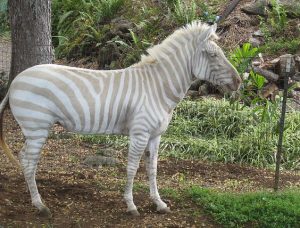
x=3 y=144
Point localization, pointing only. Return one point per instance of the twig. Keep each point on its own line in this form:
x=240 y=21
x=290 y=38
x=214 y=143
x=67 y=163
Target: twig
x=270 y=76
x=228 y=10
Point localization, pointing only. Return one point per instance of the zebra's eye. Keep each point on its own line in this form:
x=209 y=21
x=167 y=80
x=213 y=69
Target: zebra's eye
x=213 y=54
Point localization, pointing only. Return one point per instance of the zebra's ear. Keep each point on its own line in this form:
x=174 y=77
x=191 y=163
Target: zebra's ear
x=214 y=27
x=211 y=32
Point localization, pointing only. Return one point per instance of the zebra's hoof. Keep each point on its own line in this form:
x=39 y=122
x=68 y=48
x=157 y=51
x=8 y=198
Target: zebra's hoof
x=165 y=210
x=45 y=213
x=134 y=213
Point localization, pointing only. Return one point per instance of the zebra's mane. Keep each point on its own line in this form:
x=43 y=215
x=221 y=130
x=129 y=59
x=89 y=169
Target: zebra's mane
x=166 y=48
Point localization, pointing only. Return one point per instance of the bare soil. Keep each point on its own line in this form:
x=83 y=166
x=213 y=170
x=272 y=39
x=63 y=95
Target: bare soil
x=79 y=196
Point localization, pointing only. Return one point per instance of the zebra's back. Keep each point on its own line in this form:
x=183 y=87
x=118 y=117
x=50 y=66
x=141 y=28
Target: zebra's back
x=82 y=100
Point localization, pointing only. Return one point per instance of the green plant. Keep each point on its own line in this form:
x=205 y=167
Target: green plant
x=136 y=49
x=170 y=192
x=4 y=25
x=241 y=57
x=278 y=16
x=276 y=23
x=258 y=209
x=185 y=12
x=252 y=89
x=109 y=8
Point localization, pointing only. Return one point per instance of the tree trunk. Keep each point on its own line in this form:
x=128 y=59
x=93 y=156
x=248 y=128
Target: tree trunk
x=30 y=22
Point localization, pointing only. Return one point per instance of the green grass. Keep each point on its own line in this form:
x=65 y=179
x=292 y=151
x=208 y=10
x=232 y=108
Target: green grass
x=281 y=45
x=215 y=130
x=258 y=209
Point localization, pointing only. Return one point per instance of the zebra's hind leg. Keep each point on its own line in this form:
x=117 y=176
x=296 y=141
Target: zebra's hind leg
x=137 y=147
x=151 y=156
x=29 y=158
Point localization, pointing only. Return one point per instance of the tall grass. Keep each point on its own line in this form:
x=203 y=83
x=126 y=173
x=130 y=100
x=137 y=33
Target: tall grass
x=185 y=12
x=216 y=130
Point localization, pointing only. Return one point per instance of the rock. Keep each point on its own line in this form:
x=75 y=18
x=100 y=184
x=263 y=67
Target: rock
x=297 y=61
x=256 y=63
x=297 y=77
x=245 y=76
x=110 y=52
x=254 y=42
x=298 y=30
x=292 y=7
x=270 y=91
x=257 y=7
x=275 y=61
x=99 y=160
x=258 y=33
x=108 y=152
x=122 y=25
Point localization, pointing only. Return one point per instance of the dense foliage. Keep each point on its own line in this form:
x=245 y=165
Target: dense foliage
x=78 y=24
x=4 y=25
x=217 y=130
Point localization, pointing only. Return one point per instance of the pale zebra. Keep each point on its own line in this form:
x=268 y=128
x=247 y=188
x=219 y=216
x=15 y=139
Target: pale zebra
x=137 y=101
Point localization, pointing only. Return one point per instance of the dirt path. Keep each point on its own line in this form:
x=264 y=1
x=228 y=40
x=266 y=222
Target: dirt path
x=79 y=196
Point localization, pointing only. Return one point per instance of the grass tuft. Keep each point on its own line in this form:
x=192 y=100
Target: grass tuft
x=259 y=209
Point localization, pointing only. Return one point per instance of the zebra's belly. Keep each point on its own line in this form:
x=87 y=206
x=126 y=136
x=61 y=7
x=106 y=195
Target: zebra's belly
x=117 y=129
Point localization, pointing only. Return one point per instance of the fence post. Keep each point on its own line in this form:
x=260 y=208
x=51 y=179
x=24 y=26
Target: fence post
x=285 y=73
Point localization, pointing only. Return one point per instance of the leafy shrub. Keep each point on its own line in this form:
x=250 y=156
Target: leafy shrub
x=4 y=24
x=241 y=58
x=78 y=24
x=260 y=209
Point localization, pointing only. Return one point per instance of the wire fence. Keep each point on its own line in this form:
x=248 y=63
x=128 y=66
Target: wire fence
x=5 y=57
x=271 y=88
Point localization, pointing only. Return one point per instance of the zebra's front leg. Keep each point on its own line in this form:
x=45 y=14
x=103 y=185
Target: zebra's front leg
x=136 y=149
x=151 y=156
x=29 y=157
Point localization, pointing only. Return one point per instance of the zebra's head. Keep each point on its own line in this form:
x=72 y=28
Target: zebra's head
x=210 y=63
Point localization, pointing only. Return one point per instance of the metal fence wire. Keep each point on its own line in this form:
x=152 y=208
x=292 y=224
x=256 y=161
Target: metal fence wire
x=5 y=57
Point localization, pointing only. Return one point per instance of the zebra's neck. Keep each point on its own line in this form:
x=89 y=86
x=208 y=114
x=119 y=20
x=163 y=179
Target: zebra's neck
x=172 y=77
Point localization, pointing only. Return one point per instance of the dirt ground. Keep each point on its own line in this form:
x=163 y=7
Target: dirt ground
x=80 y=196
